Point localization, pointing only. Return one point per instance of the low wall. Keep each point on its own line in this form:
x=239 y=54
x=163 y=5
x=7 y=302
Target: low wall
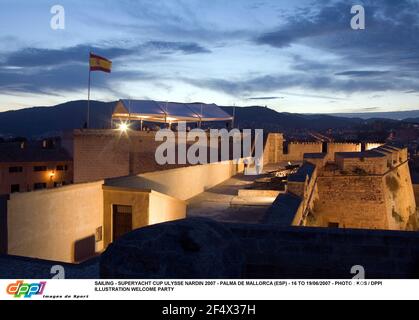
x=164 y=208
x=57 y=224
x=182 y=183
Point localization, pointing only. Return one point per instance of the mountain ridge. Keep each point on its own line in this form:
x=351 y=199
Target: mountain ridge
x=46 y=121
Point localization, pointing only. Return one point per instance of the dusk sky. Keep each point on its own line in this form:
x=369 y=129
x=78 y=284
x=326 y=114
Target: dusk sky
x=294 y=56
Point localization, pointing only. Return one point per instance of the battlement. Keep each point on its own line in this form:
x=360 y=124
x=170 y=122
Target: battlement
x=363 y=190
x=277 y=149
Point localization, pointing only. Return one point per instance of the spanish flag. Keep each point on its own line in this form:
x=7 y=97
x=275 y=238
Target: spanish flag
x=98 y=63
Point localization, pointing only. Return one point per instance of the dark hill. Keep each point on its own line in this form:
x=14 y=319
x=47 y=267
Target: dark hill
x=50 y=120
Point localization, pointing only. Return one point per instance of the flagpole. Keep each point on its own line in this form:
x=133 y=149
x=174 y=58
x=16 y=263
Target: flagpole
x=88 y=97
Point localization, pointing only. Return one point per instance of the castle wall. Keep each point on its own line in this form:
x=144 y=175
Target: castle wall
x=400 y=199
x=273 y=148
x=296 y=150
x=368 y=202
x=362 y=165
x=416 y=192
x=351 y=201
x=333 y=148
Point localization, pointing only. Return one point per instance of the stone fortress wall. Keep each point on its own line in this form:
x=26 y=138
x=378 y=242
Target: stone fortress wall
x=277 y=150
x=351 y=189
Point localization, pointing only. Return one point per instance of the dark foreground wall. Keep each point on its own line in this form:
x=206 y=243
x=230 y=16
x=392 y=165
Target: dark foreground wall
x=3 y=224
x=12 y=267
x=294 y=252
x=201 y=248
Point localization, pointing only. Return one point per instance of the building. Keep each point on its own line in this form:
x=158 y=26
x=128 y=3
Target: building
x=29 y=166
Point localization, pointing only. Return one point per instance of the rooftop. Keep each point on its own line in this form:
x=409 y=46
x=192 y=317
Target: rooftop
x=32 y=152
x=164 y=112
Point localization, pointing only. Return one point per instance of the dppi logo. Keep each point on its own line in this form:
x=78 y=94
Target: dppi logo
x=26 y=290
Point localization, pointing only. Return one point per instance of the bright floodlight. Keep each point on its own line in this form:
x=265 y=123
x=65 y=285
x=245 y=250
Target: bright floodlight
x=123 y=127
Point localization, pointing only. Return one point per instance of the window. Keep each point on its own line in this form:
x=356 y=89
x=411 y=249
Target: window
x=40 y=168
x=14 y=188
x=39 y=186
x=62 y=168
x=15 y=169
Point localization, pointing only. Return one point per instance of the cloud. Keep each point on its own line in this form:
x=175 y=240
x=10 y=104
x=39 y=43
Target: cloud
x=369 y=109
x=265 y=98
x=40 y=70
x=316 y=82
x=389 y=38
x=183 y=47
x=69 y=77
x=36 y=57
x=384 y=56
x=315 y=21
x=355 y=73
x=310 y=51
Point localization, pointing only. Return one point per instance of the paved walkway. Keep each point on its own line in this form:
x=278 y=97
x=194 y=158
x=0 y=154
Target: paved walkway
x=216 y=202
